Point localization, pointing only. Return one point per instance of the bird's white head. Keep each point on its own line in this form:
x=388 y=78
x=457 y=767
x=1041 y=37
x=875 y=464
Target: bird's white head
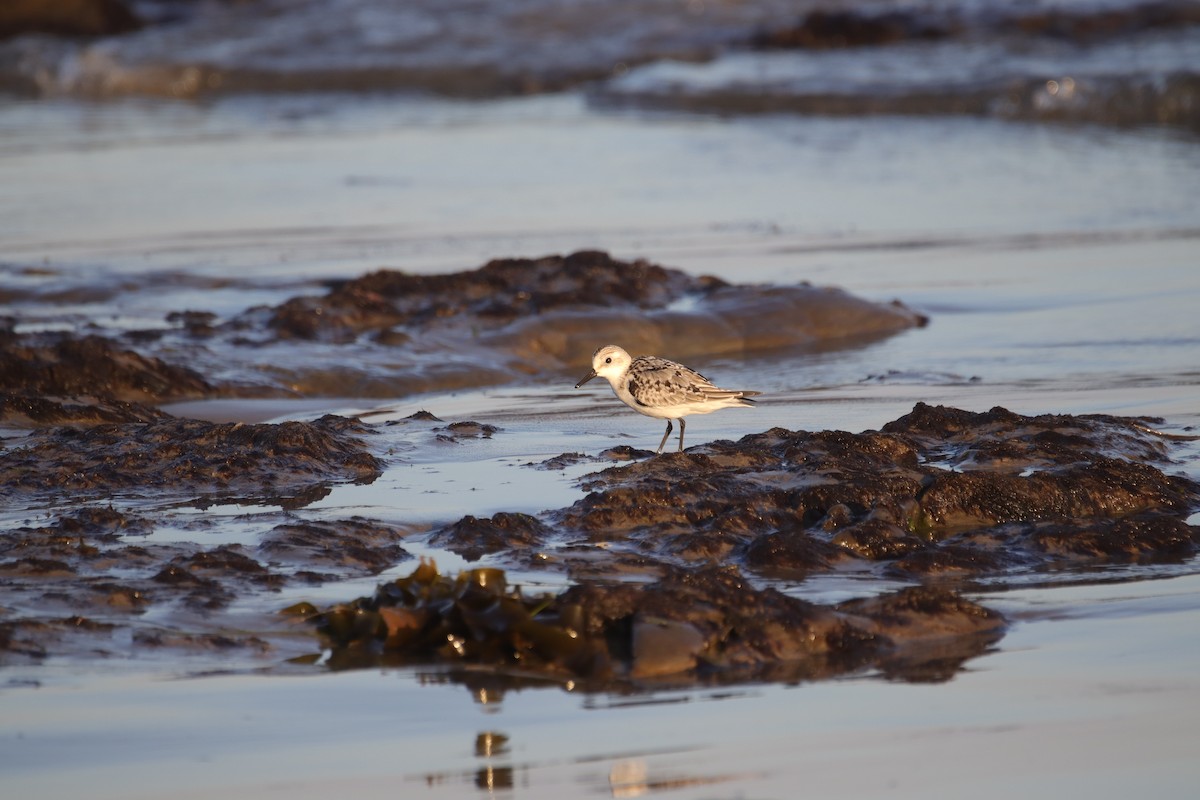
x=608 y=362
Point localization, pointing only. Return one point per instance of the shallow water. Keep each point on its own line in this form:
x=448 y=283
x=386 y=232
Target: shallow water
x=885 y=208
x=429 y=185
x=1092 y=687
x=1057 y=264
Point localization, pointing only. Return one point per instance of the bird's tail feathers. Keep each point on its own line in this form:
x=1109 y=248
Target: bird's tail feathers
x=734 y=397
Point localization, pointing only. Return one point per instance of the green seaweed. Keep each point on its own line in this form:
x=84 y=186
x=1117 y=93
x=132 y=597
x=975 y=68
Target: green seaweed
x=707 y=623
x=474 y=617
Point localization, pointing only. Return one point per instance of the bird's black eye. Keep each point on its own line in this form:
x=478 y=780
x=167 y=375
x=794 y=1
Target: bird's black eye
x=608 y=360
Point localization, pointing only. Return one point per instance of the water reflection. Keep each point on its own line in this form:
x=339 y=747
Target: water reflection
x=490 y=743
x=627 y=778
x=631 y=777
x=492 y=777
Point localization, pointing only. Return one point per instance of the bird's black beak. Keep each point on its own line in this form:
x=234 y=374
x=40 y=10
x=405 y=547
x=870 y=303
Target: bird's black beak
x=591 y=374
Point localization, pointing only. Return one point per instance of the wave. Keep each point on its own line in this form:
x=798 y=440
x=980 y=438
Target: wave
x=1106 y=61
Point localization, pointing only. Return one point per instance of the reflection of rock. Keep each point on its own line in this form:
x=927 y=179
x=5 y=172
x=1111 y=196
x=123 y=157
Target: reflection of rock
x=467 y=429
x=713 y=620
x=66 y=17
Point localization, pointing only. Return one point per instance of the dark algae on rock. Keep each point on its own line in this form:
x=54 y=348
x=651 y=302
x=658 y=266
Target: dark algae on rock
x=76 y=18
x=182 y=455
x=61 y=365
x=499 y=291
x=831 y=29
x=939 y=490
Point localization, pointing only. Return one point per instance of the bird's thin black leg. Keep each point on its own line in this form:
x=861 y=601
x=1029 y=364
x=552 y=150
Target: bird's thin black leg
x=665 y=435
x=682 y=425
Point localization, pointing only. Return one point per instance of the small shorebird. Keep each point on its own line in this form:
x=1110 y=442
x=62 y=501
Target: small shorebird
x=660 y=388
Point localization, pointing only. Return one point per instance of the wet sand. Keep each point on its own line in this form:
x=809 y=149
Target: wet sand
x=1047 y=293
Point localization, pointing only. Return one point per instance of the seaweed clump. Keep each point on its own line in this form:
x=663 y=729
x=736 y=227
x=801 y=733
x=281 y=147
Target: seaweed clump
x=474 y=617
x=705 y=625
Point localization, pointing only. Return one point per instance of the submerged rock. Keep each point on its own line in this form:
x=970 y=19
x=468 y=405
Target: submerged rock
x=81 y=584
x=474 y=538
x=354 y=546
x=388 y=333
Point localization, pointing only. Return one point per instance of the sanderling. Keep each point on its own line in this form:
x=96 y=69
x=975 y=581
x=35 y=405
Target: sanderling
x=660 y=388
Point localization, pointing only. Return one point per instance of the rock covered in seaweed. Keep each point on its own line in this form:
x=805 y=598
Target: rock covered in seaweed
x=545 y=311
x=189 y=455
x=939 y=491
x=498 y=292
x=26 y=410
x=60 y=365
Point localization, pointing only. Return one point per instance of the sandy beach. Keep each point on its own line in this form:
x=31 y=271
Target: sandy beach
x=225 y=264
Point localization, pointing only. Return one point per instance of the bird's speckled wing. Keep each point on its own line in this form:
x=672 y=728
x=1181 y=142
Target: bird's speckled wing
x=655 y=381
